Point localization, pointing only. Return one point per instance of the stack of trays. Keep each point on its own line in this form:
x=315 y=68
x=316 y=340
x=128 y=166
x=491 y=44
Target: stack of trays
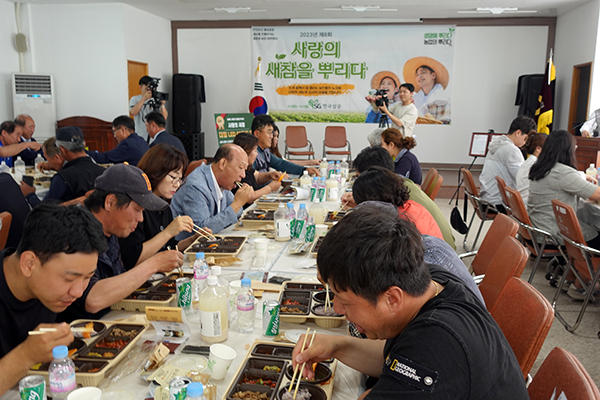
x=109 y=344
x=271 y=201
x=159 y=293
x=258 y=217
x=223 y=246
x=276 y=358
x=300 y=301
x=330 y=220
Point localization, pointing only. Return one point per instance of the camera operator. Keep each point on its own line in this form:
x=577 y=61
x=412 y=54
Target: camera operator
x=143 y=104
x=402 y=114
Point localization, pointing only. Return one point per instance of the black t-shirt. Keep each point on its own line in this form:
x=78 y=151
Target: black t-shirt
x=17 y=317
x=452 y=349
x=154 y=222
x=12 y=200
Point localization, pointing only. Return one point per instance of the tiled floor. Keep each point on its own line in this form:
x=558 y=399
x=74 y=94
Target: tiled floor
x=584 y=343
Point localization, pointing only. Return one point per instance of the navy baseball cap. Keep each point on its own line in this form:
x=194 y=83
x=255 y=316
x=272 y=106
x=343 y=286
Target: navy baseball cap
x=69 y=134
x=124 y=178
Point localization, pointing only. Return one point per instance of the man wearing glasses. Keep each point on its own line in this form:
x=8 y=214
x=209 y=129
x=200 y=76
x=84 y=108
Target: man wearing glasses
x=78 y=174
x=131 y=146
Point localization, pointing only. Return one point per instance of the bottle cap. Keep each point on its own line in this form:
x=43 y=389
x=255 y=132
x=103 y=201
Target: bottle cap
x=215 y=270
x=322 y=178
x=212 y=280
x=246 y=282
x=195 y=389
x=199 y=255
x=281 y=205
x=19 y=158
x=316 y=200
x=290 y=205
x=305 y=172
x=60 y=351
x=302 y=206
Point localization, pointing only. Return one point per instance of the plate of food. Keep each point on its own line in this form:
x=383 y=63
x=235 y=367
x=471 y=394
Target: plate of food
x=190 y=362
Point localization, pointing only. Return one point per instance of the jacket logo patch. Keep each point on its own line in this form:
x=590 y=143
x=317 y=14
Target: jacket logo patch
x=411 y=373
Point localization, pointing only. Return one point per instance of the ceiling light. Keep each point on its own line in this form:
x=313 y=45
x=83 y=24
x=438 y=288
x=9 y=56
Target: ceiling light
x=234 y=10
x=361 y=9
x=496 y=10
x=354 y=20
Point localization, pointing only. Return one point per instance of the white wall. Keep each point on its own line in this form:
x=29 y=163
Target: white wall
x=575 y=44
x=488 y=61
x=148 y=39
x=9 y=58
x=83 y=47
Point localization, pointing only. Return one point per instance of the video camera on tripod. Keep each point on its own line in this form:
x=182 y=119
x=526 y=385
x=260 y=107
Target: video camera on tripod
x=157 y=97
x=383 y=100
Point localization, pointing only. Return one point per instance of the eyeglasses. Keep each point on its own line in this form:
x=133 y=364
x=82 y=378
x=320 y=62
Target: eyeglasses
x=116 y=130
x=175 y=180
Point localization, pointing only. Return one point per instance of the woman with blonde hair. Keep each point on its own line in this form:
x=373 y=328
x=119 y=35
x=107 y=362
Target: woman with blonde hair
x=406 y=163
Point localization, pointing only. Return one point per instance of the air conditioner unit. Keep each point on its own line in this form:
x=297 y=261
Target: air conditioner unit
x=33 y=94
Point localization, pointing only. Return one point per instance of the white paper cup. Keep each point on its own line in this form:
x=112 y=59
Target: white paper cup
x=85 y=393
x=219 y=360
x=260 y=246
x=320 y=230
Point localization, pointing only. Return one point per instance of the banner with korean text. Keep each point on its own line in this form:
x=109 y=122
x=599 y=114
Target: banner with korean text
x=323 y=73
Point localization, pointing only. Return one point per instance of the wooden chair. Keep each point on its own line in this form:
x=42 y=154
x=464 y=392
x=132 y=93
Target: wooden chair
x=581 y=259
x=434 y=187
x=335 y=137
x=193 y=165
x=501 y=227
x=533 y=238
x=509 y=261
x=502 y=188
x=525 y=317
x=5 y=221
x=562 y=372
x=484 y=210
x=295 y=138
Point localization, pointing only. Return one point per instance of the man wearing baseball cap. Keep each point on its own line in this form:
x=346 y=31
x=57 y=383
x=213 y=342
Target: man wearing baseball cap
x=76 y=177
x=122 y=193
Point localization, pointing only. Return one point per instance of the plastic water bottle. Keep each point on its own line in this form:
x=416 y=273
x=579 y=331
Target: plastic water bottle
x=591 y=171
x=4 y=168
x=291 y=215
x=314 y=188
x=305 y=180
x=195 y=391
x=245 y=307
x=330 y=169
x=38 y=160
x=317 y=211
x=61 y=373
x=282 y=224
x=19 y=169
x=310 y=230
x=300 y=225
x=199 y=283
x=322 y=189
x=223 y=283
x=214 y=327
x=344 y=168
x=323 y=167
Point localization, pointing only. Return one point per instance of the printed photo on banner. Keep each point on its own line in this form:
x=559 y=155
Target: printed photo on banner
x=341 y=74
x=229 y=125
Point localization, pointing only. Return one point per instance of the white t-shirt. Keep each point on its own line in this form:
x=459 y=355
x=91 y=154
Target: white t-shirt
x=407 y=114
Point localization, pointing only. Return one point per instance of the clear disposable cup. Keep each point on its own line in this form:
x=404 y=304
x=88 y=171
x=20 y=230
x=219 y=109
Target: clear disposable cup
x=260 y=246
x=219 y=360
x=85 y=393
x=320 y=230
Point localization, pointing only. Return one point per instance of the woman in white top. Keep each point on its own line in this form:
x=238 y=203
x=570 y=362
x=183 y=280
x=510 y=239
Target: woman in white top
x=533 y=146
